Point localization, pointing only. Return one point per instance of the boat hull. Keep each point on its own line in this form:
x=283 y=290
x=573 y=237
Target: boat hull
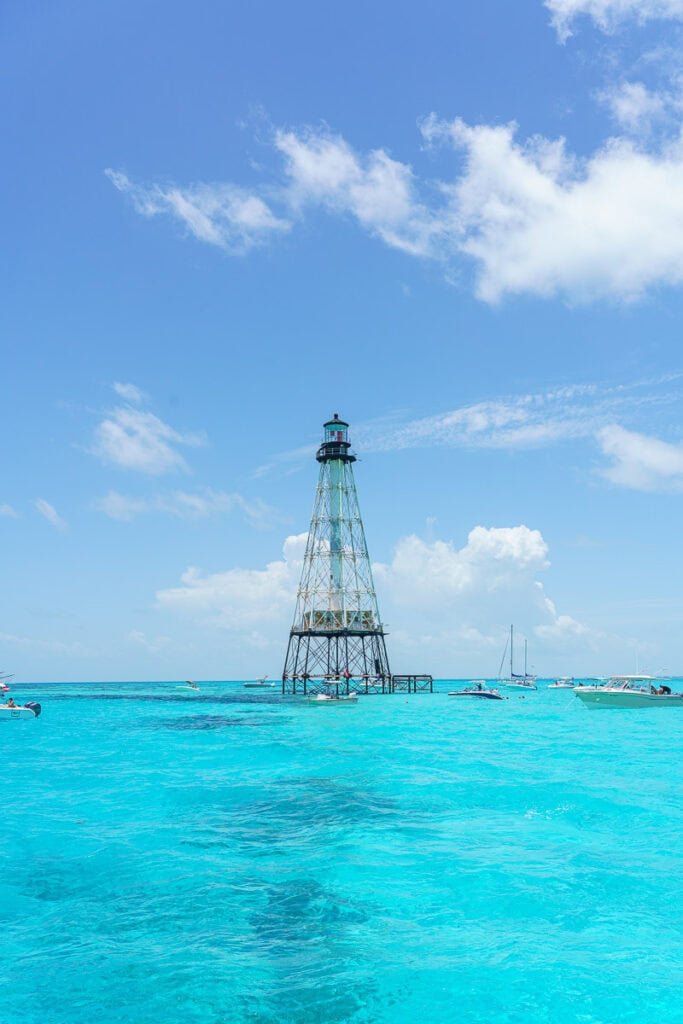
x=12 y=713
x=601 y=698
x=477 y=694
x=323 y=699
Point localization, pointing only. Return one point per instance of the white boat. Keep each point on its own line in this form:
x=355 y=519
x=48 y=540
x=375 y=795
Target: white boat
x=189 y=686
x=629 y=692
x=332 y=698
x=478 y=690
x=514 y=680
x=10 y=711
x=566 y=683
x=259 y=684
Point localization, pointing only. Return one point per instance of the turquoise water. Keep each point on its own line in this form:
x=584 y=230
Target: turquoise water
x=232 y=856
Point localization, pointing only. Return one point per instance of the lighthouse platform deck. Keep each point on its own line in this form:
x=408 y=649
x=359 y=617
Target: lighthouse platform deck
x=340 y=685
x=412 y=684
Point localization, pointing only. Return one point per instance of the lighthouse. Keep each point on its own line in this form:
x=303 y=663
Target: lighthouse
x=337 y=640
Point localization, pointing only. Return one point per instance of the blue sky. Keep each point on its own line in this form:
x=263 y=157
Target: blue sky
x=460 y=228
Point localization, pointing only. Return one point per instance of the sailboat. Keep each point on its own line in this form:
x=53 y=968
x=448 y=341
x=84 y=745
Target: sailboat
x=514 y=680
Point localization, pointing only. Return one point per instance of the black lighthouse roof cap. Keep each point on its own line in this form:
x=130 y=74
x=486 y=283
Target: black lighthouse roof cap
x=335 y=421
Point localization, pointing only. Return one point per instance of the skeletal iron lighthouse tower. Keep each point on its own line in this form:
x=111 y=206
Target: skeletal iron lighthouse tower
x=337 y=638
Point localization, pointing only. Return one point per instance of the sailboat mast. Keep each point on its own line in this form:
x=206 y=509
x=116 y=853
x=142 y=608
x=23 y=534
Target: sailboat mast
x=511 y=641
x=502 y=661
x=525 y=672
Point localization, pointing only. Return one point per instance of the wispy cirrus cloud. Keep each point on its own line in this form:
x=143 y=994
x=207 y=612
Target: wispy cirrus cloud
x=50 y=513
x=8 y=510
x=512 y=422
x=524 y=421
x=44 y=646
x=130 y=393
x=186 y=505
x=152 y=645
x=223 y=214
x=132 y=438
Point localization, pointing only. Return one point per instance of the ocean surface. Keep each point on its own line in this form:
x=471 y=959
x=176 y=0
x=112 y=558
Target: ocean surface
x=171 y=858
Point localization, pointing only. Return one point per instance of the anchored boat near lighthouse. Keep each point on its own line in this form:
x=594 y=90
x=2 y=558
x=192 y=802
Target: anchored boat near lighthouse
x=478 y=690
x=259 y=684
x=9 y=709
x=630 y=692
x=515 y=681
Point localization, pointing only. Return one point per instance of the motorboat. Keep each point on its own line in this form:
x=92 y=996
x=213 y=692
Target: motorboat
x=188 y=685
x=629 y=692
x=566 y=683
x=479 y=690
x=11 y=711
x=516 y=681
x=258 y=684
x=332 y=698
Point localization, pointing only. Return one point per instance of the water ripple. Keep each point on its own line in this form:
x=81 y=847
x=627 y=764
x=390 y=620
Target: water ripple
x=170 y=858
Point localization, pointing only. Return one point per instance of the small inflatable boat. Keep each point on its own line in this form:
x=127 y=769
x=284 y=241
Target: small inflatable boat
x=30 y=710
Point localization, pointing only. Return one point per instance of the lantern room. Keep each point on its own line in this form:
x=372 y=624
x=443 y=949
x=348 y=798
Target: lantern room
x=336 y=430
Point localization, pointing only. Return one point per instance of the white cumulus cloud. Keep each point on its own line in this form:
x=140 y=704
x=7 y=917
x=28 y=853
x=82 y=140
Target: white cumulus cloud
x=375 y=189
x=434 y=572
x=444 y=605
x=537 y=220
x=137 y=439
x=608 y=14
x=528 y=215
x=447 y=604
x=241 y=600
x=641 y=462
x=633 y=106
